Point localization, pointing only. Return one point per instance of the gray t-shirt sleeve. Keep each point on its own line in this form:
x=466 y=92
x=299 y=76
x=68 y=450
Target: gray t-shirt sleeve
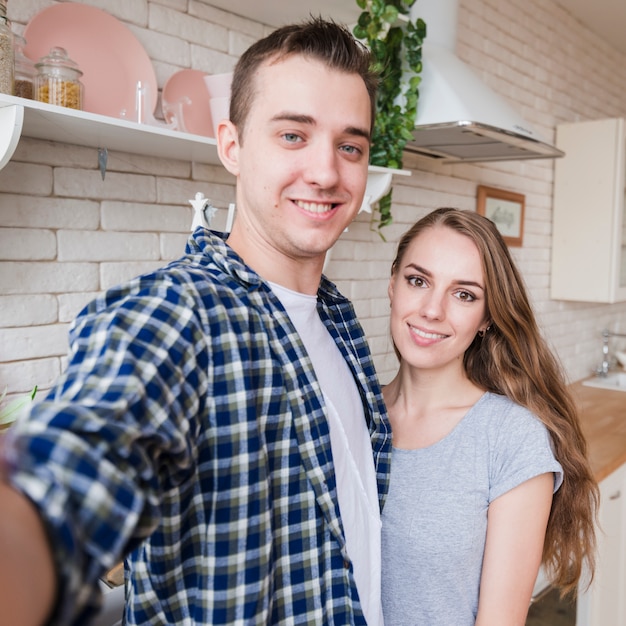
x=522 y=447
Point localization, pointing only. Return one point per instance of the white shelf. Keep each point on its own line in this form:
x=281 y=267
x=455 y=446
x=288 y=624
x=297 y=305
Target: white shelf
x=378 y=184
x=28 y=118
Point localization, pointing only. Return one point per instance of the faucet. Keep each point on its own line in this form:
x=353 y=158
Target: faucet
x=603 y=369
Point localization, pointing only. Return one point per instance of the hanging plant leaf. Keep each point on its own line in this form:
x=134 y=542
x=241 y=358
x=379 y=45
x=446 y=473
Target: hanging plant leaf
x=396 y=46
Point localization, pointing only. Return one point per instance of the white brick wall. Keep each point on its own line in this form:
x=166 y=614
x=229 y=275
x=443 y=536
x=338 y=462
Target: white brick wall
x=65 y=234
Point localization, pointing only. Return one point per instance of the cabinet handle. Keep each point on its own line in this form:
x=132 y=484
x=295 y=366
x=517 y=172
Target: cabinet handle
x=615 y=496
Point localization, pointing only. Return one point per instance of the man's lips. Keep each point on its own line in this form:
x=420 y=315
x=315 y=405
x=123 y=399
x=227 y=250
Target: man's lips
x=315 y=207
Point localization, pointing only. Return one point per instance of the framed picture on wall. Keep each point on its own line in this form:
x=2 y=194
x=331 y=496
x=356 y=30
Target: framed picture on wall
x=505 y=209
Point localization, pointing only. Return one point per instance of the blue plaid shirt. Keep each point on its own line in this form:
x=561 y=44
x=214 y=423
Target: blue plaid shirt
x=189 y=435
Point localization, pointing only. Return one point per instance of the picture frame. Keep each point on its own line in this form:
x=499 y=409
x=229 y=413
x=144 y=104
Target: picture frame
x=505 y=209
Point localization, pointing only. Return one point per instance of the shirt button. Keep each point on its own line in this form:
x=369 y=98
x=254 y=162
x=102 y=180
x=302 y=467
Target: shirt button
x=346 y=564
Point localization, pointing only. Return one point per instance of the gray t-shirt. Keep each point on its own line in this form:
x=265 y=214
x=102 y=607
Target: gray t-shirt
x=435 y=515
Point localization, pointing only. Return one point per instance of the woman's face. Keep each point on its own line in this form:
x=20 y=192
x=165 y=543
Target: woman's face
x=437 y=297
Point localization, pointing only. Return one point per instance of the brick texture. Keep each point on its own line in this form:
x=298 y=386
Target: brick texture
x=65 y=234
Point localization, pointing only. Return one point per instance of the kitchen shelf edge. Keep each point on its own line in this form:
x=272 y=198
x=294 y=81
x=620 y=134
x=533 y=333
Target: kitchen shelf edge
x=54 y=123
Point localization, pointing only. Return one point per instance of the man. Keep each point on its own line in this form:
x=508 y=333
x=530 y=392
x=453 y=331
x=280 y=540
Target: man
x=216 y=421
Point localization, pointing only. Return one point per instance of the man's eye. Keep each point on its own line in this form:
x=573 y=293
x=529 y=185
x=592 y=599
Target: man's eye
x=351 y=149
x=291 y=137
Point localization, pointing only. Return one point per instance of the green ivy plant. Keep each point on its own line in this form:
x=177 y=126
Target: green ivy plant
x=11 y=411
x=396 y=45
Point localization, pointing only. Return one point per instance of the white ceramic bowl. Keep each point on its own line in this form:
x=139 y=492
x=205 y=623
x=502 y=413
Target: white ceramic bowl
x=621 y=357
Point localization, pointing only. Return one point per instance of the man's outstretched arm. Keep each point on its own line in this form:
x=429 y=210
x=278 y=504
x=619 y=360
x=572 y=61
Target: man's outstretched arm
x=27 y=577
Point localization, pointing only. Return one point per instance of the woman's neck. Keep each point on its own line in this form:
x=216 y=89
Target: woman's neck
x=424 y=406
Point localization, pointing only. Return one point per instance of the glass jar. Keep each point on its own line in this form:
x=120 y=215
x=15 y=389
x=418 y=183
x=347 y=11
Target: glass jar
x=58 y=80
x=24 y=78
x=6 y=52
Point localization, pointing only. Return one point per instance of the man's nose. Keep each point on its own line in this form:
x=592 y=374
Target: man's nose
x=322 y=167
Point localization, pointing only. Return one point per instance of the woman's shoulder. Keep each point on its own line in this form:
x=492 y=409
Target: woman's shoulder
x=500 y=402
x=498 y=409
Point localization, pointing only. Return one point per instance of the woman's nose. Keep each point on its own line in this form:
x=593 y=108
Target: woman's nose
x=432 y=305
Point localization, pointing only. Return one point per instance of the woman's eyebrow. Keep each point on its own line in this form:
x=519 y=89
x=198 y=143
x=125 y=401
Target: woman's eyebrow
x=463 y=282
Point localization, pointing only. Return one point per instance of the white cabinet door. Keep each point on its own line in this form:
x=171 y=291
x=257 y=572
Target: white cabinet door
x=605 y=602
x=589 y=227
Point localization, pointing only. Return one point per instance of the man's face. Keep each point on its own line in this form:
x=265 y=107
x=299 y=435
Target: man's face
x=302 y=161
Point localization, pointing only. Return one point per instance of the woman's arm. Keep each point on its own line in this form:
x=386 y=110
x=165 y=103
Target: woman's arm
x=516 y=527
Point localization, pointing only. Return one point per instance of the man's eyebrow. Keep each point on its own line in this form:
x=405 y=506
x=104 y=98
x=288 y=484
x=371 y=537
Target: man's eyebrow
x=300 y=118
x=358 y=132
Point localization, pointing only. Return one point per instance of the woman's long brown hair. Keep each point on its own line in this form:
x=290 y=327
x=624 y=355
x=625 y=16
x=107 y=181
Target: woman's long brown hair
x=514 y=360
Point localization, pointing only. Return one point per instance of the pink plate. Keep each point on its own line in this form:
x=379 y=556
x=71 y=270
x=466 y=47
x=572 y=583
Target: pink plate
x=111 y=58
x=185 y=94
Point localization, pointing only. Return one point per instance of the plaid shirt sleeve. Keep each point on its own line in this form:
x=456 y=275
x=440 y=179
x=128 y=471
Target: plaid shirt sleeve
x=115 y=434
x=188 y=434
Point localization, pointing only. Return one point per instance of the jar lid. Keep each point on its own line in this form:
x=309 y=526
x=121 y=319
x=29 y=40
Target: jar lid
x=23 y=65
x=19 y=41
x=59 y=62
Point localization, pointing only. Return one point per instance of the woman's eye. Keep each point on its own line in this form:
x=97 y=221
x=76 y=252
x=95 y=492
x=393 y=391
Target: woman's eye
x=466 y=296
x=415 y=281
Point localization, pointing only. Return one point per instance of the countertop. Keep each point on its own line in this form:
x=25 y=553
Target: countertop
x=603 y=421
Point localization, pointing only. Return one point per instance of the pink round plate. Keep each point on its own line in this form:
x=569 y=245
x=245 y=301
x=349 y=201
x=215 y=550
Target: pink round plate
x=111 y=58
x=185 y=93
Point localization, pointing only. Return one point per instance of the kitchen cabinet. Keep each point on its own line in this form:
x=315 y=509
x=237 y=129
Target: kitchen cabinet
x=589 y=225
x=604 y=604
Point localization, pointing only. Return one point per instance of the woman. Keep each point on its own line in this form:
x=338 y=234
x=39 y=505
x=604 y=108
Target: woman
x=489 y=477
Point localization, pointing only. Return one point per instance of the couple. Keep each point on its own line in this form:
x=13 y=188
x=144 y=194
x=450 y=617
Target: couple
x=220 y=424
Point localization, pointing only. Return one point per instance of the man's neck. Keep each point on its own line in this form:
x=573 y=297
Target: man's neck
x=301 y=275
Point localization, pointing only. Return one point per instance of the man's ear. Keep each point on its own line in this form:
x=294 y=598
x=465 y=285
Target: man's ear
x=228 y=146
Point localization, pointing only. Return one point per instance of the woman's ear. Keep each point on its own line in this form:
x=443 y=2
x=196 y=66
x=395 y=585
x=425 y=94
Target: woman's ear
x=390 y=289
x=228 y=146
x=484 y=327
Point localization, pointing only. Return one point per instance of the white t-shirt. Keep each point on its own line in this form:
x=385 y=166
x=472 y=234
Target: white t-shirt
x=355 y=474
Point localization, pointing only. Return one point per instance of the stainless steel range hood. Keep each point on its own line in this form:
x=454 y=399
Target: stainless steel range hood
x=459 y=118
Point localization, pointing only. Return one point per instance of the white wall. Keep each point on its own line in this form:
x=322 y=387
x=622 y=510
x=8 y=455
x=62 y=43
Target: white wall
x=65 y=234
